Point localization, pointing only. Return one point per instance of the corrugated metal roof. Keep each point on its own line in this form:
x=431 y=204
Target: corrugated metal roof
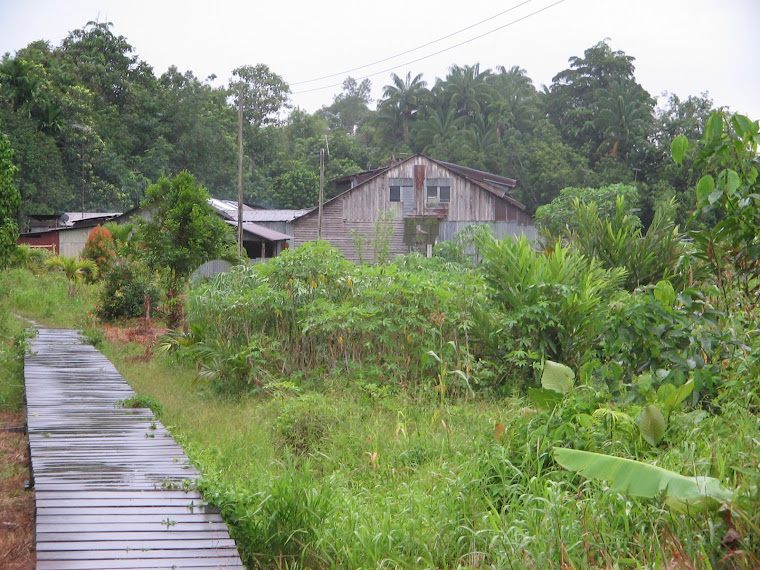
x=228 y=208
x=273 y=215
x=262 y=232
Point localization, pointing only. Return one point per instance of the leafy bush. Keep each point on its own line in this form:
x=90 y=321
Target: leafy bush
x=127 y=284
x=100 y=249
x=27 y=257
x=324 y=313
x=548 y=306
x=618 y=241
x=555 y=218
x=304 y=424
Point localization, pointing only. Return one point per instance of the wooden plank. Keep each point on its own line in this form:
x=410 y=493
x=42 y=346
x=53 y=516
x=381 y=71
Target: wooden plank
x=137 y=544
x=126 y=510
x=79 y=528
x=159 y=535
x=136 y=553
x=118 y=495
x=112 y=486
x=119 y=502
x=170 y=564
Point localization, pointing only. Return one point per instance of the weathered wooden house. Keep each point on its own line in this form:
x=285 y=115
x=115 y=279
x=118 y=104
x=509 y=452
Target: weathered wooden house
x=421 y=201
x=63 y=234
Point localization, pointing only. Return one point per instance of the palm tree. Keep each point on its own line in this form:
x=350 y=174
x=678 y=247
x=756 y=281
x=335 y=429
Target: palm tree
x=404 y=97
x=25 y=87
x=74 y=269
x=439 y=127
x=28 y=257
x=481 y=135
x=624 y=117
x=468 y=89
x=515 y=98
x=121 y=233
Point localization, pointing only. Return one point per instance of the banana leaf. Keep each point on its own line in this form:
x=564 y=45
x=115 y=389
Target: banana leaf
x=683 y=494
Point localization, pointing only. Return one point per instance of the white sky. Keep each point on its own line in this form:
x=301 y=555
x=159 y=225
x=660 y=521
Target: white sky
x=685 y=47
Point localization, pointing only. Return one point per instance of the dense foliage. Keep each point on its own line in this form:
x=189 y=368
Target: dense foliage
x=10 y=200
x=427 y=412
x=93 y=126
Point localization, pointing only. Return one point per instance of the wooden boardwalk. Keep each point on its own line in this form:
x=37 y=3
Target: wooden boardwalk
x=111 y=483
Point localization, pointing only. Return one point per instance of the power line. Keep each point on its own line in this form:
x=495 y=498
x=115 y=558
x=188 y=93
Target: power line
x=340 y=73
x=433 y=54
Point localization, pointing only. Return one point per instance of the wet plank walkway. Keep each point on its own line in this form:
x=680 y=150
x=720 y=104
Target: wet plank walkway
x=112 y=485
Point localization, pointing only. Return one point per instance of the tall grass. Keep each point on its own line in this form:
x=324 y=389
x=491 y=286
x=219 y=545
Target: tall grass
x=43 y=298
x=350 y=470
x=12 y=346
x=349 y=477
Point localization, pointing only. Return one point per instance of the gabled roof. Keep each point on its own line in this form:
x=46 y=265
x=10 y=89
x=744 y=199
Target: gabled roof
x=499 y=186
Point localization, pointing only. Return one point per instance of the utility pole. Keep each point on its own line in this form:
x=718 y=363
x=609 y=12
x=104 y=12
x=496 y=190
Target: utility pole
x=240 y=170
x=321 y=190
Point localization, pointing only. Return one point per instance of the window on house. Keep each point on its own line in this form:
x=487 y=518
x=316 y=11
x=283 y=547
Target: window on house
x=396 y=186
x=438 y=190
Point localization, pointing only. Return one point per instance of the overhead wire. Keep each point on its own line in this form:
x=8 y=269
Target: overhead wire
x=383 y=71
x=452 y=34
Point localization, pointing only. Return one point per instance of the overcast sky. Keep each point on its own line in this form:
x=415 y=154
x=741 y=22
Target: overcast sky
x=685 y=47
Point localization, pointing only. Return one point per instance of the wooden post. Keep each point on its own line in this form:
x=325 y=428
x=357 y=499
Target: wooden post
x=240 y=170
x=321 y=190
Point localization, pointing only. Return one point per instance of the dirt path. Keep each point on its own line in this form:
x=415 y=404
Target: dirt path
x=16 y=503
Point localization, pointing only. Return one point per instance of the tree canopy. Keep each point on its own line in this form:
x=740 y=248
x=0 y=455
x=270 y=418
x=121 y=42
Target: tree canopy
x=93 y=127
x=10 y=200
x=184 y=231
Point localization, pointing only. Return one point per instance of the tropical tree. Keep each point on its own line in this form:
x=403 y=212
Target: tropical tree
x=571 y=101
x=515 y=99
x=468 y=90
x=10 y=200
x=74 y=269
x=439 y=127
x=29 y=257
x=404 y=97
x=350 y=108
x=625 y=117
x=183 y=233
x=296 y=188
x=264 y=94
x=121 y=234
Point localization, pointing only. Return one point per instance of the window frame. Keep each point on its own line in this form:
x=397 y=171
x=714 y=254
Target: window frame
x=433 y=195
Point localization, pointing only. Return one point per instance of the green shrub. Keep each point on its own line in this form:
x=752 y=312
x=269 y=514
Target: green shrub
x=304 y=424
x=127 y=283
x=547 y=306
x=323 y=313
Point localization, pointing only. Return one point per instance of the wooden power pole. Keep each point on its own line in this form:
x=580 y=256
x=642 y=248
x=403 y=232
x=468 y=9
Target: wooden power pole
x=321 y=190
x=240 y=170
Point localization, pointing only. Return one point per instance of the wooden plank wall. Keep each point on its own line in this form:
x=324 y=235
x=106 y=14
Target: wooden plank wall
x=109 y=481
x=359 y=209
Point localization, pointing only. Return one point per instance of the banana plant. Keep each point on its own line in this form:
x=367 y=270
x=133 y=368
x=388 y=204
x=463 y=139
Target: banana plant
x=682 y=494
